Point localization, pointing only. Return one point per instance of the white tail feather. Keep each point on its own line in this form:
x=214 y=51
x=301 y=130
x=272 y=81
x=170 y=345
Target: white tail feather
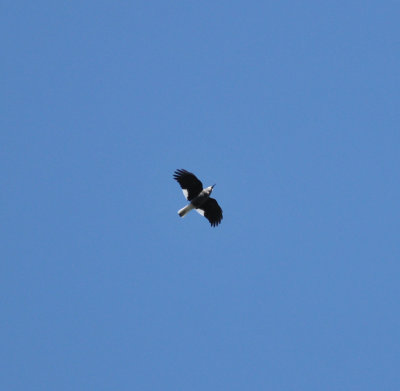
x=185 y=210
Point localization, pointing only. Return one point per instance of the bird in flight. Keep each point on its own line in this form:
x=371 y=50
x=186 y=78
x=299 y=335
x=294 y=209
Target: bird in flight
x=199 y=198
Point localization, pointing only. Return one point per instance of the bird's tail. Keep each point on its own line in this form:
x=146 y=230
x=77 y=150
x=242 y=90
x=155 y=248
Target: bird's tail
x=184 y=211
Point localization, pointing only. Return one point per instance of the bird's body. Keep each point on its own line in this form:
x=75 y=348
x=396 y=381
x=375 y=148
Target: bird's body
x=199 y=198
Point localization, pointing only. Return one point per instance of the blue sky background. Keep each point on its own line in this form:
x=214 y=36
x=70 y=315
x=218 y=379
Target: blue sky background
x=291 y=107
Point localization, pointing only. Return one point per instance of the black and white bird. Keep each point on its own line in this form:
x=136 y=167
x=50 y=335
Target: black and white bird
x=199 y=198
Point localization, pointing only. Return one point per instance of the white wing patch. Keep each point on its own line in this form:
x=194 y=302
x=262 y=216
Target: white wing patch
x=185 y=193
x=200 y=211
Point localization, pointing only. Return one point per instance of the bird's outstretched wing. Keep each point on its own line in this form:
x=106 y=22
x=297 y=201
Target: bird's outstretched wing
x=190 y=185
x=211 y=211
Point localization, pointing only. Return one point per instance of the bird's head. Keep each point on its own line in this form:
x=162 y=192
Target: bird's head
x=210 y=189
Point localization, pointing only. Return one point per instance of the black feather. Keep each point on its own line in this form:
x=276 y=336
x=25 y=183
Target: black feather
x=188 y=182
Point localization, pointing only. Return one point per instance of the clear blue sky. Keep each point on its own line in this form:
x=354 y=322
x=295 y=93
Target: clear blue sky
x=291 y=107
